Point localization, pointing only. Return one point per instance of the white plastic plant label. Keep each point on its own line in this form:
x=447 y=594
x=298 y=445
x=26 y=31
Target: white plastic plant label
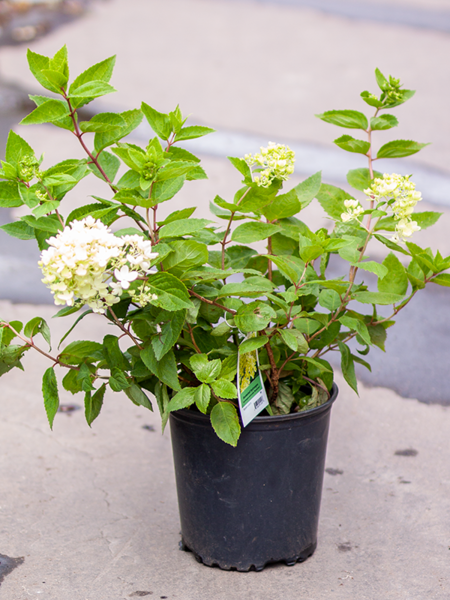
x=251 y=392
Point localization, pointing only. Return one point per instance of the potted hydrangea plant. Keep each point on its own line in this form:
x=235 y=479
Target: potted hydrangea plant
x=230 y=337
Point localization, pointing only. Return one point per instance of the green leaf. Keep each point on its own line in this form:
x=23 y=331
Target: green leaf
x=49 y=111
x=9 y=194
x=289 y=338
x=50 y=223
x=391 y=245
x=371 y=99
x=202 y=397
x=373 y=267
x=290 y=266
x=426 y=218
x=350 y=144
x=281 y=207
x=356 y=325
x=329 y=299
x=182 y=227
x=165 y=190
x=190 y=133
x=332 y=199
x=170 y=333
x=113 y=354
x=38 y=325
x=396 y=280
x=399 y=148
x=347 y=366
x=93 y=404
x=103 y=122
x=186 y=255
x=110 y=165
x=138 y=396
x=308 y=189
x=118 y=380
x=351 y=119
x=253 y=343
x=177 y=215
x=162 y=398
x=183 y=399
x=81 y=351
x=443 y=279
x=251 y=285
x=63 y=122
x=360 y=178
x=101 y=71
x=206 y=371
x=241 y=166
x=253 y=232
x=132 y=119
x=254 y=316
x=41 y=66
x=224 y=389
x=90 y=90
x=50 y=393
x=382 y=82
x=171 y=293
x=383 y=122
x=159 y=122
x=382 y=298
x=16 y=148
x=225 y=422
x=20 y=230
x=165 y=369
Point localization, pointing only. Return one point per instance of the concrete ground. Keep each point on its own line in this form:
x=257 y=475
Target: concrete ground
x=92 y=512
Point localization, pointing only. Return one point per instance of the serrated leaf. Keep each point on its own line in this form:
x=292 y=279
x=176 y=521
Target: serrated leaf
x=202 y=397
x=9 y=194
x=50 y=393
x=396 y=280
x=193 y=132
x=308 y=189
x=138 y=396
x=442 y=279
x=81 y=351
x=254 y=316
x=165 y=190
x=224 y=389
x=182 y=227
x=382 y=298
x=241 y=166
x=171 y=293
x=170 y=333
x=253 y=343
x=103 y=122
x=284 y=400
x=186 y=254
x=360 y=179
x=253 y=232
x=283 y=206
x=93 y=404
x=20 y=230
x=383 y=122
x=16 y=148
x=399 y=148
x=159 y=122
x=183 y=399
x=225 y=422
x=206 y=371
x=351 y=119
x=373 y=267
x=332 y=199
x=350 y=144
x=347 y=366
x=289 y=338
x=165 y=369
x=38 y=325
x=49 y=111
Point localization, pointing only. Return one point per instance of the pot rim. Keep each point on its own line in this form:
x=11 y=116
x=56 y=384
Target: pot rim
x=198 y=416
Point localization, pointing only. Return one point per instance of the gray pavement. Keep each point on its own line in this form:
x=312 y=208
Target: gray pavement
x=92 y=512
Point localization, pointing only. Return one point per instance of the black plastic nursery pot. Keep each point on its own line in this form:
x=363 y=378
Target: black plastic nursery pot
x=244 y=507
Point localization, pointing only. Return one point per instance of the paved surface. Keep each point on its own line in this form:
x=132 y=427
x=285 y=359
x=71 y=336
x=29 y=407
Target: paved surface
x=93 y=512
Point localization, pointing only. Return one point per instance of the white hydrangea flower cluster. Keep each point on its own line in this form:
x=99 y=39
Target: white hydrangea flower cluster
x=354 y=210
x=402 y=197
x=87 y=262
x=275 y=162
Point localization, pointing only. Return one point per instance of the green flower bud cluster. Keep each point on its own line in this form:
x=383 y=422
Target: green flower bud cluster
x=28 y=168
x=274 y=162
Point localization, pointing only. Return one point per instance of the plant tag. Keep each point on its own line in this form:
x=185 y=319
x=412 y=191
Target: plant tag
x=251 y=391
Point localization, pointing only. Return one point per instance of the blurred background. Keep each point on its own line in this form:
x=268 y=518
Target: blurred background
x=256 y=71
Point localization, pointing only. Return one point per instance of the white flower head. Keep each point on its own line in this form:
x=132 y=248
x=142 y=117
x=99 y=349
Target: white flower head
x=274 y=162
